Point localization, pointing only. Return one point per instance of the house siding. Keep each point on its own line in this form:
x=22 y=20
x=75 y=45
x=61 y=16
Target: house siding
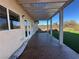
x=11 y=40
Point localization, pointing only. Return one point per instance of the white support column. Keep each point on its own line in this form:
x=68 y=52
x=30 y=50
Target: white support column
x=51 y=26
x=61 y=26
x=47 y=26
x=8 y=18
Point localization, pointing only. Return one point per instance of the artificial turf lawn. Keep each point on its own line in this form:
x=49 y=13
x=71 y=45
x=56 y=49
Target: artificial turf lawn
x=71 y=39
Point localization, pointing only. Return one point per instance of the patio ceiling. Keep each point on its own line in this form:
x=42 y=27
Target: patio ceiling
x=43 y=9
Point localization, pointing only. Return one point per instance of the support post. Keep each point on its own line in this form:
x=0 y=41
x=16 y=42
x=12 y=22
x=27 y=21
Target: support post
x=8 y=18
x=47 y=26
x=61 y=26
x=51 y=26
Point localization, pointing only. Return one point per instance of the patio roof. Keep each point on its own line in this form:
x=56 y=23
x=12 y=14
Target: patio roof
x=43 y=9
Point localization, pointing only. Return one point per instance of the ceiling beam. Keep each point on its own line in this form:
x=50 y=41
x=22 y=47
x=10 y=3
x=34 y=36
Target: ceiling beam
x=41 y=1
x=42 y=13
x=41 y=8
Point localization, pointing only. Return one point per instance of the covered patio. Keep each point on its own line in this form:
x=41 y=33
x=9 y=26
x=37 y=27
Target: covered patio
x=46 y=10
x=43 y=45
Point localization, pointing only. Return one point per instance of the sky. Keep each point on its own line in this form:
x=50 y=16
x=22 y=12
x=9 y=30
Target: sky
x=71 y=12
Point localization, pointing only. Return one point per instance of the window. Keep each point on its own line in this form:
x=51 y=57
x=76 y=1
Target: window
x=14 y=20
x=3 y=18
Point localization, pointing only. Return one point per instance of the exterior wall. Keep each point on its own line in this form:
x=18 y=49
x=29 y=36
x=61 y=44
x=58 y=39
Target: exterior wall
x=11 y=40
x=33 y=29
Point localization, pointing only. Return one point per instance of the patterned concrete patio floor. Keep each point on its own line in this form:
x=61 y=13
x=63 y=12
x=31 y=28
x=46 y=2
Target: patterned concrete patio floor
x=43 y=46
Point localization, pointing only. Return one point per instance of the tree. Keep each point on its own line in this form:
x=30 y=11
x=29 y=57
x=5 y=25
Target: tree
x=70 y=23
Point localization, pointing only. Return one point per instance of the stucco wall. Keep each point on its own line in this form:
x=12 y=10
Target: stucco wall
x=11 y=40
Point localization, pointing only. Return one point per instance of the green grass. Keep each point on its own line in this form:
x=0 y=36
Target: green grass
x=71 y=39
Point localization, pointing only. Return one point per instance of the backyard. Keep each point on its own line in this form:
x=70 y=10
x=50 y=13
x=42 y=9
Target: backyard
x=71 y=38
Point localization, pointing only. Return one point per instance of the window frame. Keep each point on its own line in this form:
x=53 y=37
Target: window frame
x=8 y=20
x=18 y=19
